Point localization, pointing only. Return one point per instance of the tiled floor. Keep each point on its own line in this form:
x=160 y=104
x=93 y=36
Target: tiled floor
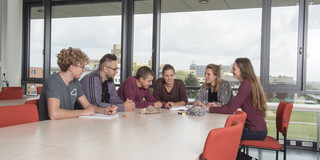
x=292 y=154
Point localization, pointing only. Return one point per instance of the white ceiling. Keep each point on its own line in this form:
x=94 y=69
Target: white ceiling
x=146 y=7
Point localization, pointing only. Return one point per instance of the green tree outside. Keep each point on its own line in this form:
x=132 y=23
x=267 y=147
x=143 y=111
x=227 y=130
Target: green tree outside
x=191 y=80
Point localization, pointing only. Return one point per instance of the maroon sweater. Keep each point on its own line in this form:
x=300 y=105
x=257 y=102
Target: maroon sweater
x=130 y=90
x=177 y=94
x=255 y=120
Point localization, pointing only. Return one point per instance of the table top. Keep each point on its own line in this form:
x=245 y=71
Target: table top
x=18 y=101
x=152 y=136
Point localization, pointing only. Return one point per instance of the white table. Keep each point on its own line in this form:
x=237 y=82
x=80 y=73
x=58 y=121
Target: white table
x=18 y=101
x=165 y=136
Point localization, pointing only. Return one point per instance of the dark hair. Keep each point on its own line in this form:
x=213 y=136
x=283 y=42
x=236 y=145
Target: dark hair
x=71 y=56
x=167 y=67
x=247 y=72
x=143 y=72
x=107 y=58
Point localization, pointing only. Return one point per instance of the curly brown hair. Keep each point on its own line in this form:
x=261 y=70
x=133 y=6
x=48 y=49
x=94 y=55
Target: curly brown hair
x=71 y=56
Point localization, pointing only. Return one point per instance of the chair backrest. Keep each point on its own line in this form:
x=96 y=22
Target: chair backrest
x=283 y=116
x=39 y=90
x=32 y=101
x=238 y=115
x=223 y=143
x=18 y=114
x=11 y=88
x=11 y=94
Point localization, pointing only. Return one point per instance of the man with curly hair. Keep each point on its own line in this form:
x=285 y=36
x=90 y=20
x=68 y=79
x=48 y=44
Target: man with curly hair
x=61 y=90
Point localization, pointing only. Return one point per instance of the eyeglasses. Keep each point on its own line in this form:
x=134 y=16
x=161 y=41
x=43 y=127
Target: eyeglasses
x=83 y=67
x=114 y=69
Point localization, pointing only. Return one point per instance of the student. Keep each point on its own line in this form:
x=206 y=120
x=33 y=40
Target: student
x=214 y=89
x=250 y=98
x=136 y=88
x=61 y=90
x=99 y=88
x=170 y=91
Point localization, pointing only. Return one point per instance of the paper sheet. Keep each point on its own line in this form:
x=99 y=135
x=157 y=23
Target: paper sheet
x=101 y=116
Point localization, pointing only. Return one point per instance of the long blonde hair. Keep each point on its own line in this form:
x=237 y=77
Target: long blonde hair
x=247 y=72
x=216 y=70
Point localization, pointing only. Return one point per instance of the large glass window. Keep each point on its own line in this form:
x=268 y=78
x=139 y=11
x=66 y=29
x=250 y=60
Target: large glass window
x=283 y=44
x=194 y=35
x=94 y=28
x=142 y=48
x=313 y=55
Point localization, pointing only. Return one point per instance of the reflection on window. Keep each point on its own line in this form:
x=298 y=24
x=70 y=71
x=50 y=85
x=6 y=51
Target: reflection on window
x=283 y=45
x=32 y=88
x=96 y=30
x=313 y=77
x=193 y=38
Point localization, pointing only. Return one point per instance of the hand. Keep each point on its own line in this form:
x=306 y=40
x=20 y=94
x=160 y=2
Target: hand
x=129 y=105
x=157 y=104
x=212 y=104
x=111 y=110
x=88 y=112
x=197 y=103
x=169 y=105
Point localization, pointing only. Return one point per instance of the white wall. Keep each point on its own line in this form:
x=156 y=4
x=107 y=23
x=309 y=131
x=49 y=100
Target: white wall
x=11 y=38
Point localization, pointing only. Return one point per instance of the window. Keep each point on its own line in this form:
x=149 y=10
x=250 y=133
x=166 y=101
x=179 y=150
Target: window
x=313 y=56
x=95 y=28
x=36 y=42
x=194 y=35
x=143 y=20
x=283 y=45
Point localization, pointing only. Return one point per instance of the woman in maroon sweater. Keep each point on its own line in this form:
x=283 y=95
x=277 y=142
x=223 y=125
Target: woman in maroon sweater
x=170 y=91
x=250 y=98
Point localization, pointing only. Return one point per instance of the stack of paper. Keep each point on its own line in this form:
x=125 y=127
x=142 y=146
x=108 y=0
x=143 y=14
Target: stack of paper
x=101 y=116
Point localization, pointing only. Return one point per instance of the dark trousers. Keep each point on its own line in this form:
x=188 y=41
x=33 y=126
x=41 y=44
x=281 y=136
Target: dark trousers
x=248 y=134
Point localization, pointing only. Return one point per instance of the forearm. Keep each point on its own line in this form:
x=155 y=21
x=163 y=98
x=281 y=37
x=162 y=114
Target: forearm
x=65 y=114
x=181 y=103
x=98 y=109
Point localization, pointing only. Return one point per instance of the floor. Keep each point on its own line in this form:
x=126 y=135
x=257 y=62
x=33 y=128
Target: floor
x=292 y=154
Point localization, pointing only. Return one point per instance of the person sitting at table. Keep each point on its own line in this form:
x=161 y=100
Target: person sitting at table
x=61 y=90
x=99 y=88
x=250 y=98
x=136 y=88
x=170 y=91
x=214 y=89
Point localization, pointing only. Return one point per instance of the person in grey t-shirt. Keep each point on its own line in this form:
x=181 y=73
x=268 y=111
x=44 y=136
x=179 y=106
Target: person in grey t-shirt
x=61 y=90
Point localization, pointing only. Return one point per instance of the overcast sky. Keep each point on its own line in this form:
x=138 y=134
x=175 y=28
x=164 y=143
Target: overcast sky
x=206 y=37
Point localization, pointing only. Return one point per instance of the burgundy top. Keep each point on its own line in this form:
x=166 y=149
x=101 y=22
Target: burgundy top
x=255 y=120
x=130 y=90
x=178 y=92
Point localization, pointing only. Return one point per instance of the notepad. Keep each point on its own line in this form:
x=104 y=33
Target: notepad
x=178 y=108
x=101 y=116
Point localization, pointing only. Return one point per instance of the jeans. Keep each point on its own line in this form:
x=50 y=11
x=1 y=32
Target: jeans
x=248 y=134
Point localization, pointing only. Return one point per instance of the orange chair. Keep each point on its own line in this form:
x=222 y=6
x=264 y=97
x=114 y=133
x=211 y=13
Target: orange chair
x=223 y=143
x=18 y=114
x=282 y=122
x=32 y=101
x=11 y=88
x=238 y=115
x=11 y=94
x=39 y=90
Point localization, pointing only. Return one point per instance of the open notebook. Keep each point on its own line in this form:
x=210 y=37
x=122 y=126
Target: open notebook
x=101 y=116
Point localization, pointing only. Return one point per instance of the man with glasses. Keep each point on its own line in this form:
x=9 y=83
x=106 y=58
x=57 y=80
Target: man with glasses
x=61 y=90
x=98 y=85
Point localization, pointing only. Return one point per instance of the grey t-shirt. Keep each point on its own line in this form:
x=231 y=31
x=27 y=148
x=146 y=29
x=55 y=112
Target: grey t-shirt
x=54 y=87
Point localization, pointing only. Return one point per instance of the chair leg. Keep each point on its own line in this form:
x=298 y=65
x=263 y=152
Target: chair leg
x=276 y=155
